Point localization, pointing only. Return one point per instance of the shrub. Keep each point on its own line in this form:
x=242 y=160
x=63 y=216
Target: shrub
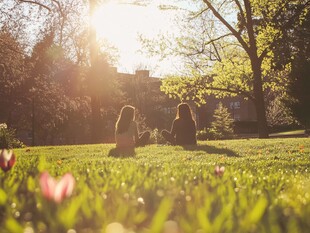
x=208 y=134
x=156 y=137
x=202 y=135
x=222 y=126
x=8 y=139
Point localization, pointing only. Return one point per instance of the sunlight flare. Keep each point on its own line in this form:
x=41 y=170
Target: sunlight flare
x=121 y=25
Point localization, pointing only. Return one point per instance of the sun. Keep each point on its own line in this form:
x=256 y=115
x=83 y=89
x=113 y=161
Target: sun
x=121 y=25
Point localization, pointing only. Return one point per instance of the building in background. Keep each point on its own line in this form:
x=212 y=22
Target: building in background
x=155 y=109
x=242 y=112
x=144 y=93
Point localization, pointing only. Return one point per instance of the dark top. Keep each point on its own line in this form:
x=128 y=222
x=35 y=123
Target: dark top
x=184 y=132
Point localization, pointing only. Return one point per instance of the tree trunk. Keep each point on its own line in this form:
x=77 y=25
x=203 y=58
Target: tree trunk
x=259 y=99
x=33 y=122
x=256 y=64
x=96 y=124
x=95 y=103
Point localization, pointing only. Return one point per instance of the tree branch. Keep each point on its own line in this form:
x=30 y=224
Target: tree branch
x=242 y=15
x=36 y=3
x=62 y=19
x=239 y=92
x=202 y=50
x=229 y=90
x=10 y=47
x=198 y=14
x=240 y=9
x=228 y=26
x=250 y=28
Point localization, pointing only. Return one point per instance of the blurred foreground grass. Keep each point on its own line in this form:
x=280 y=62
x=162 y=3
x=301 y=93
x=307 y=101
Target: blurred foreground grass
x=265 y=188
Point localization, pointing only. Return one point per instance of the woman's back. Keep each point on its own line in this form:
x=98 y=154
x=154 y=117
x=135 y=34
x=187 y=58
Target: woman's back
x=185 y=131
x=127 y=138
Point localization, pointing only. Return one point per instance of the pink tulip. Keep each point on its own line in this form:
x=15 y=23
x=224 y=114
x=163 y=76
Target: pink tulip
x=219 y=171
x=7 y=159
x=56 y=190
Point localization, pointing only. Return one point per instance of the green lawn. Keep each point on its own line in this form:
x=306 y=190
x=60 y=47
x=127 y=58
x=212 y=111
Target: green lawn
x=265 y=188
x=289 y=133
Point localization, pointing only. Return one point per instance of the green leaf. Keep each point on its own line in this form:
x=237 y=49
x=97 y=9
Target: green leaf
x=13 y=226
x=161 y=215
x=31 y=185
x=203 y=219
x=42 y=164
x=258 y=210
x=68 y=216
x=3 y=197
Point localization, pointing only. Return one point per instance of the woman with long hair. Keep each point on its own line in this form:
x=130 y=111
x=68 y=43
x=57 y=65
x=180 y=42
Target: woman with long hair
x=183 y=130
x=126 y=130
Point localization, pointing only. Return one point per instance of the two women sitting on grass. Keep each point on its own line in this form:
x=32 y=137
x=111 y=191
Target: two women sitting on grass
x=127 y=137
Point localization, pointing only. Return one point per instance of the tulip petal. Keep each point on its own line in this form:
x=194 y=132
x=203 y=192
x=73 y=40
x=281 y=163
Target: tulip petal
x=219 y=171
x=48 y=185
x=7 y=155
x=64 y=187
x=7 y=159
x=56 y=190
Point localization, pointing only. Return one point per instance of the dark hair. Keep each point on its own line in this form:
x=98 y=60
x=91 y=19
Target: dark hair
x=184 y=112
x=125 y=117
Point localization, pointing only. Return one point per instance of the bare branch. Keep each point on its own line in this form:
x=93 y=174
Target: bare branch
x=222 y=4
x=242 y=15
x=57 y=3
x=228 y=26
x=250 y=28
x=199 y=13
x=240 y=9
x=36 y=3
x=61 y=18
x=218 y=38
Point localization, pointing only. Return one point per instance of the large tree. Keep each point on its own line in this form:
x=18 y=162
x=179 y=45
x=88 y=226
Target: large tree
x=294 y=48
x=67 y=20
x=228 y=47
x=47 y=100
x=298 y=92
x=258 y=39
x=12 y=77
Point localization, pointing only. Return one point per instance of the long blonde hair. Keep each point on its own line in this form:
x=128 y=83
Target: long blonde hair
x=126 y=115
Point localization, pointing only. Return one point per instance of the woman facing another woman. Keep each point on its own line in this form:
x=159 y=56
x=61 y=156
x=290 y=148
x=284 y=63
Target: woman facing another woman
x=126 y=130
x=183 y=130
x=127 y=137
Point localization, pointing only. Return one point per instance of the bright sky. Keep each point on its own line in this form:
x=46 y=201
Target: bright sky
x=121 y=24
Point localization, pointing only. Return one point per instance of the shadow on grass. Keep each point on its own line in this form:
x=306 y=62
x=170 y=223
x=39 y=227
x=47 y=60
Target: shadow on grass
x=211 y=150
x=122 y=153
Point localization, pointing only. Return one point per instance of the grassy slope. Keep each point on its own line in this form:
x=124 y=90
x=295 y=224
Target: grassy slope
x=265 y=188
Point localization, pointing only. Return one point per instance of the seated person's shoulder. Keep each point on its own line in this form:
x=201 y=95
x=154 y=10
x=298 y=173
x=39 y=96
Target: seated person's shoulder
x=177 y=121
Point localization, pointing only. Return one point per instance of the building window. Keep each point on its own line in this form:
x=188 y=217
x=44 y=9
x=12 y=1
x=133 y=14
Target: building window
x=167 y=110
x=236 y=117
x=235 y=105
